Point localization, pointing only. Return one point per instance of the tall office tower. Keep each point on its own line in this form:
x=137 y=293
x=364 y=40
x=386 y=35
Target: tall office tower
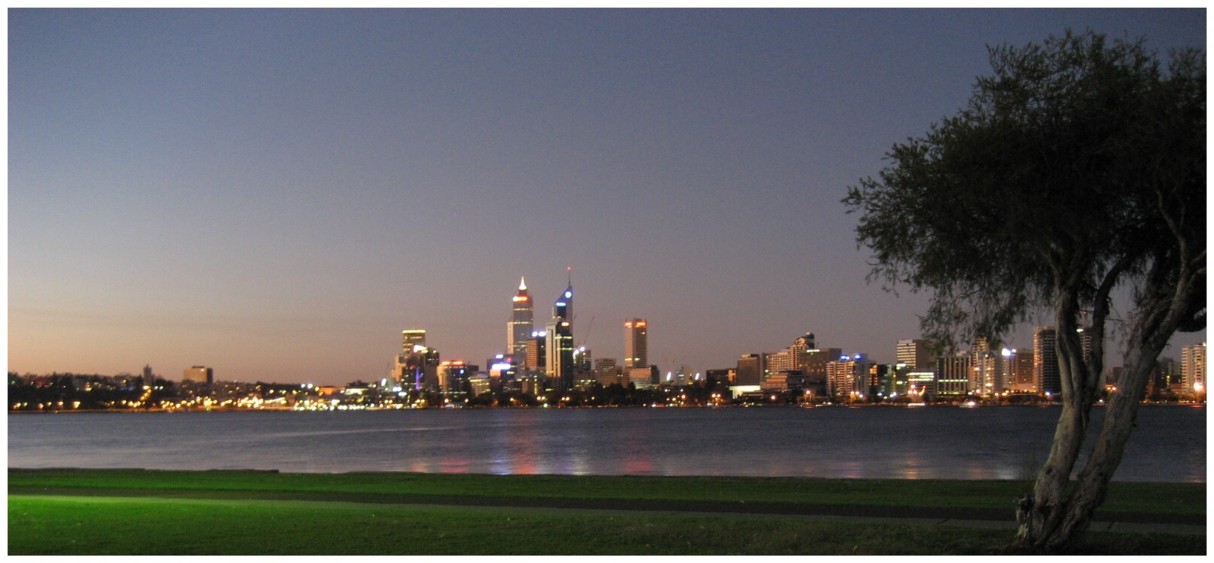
x=411 y=338
x=1193 y=368
x=800 y=350
x=636 y=343
x=984 y=369
x=559 y=334
x=559 y=364
x=536 y=352
x=1016 y=370
x=1046 y=376
x=417 y=364
x=916 y=354
x=521 y=325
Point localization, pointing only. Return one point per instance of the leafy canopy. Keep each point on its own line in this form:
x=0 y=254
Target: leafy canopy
x=1077 y=165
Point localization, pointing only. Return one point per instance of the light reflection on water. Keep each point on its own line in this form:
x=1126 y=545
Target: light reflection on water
x=933 y=443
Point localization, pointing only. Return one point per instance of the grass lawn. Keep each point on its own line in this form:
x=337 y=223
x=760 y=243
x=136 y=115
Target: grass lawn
x=67 y=522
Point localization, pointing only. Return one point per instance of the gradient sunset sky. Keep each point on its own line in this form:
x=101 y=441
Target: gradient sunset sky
x=277 y=194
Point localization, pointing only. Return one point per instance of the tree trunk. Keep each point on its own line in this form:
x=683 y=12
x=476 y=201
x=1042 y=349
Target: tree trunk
x=1054 y=518
x=1056 y=515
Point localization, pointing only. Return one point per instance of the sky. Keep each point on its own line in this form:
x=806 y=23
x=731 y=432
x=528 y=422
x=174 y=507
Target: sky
x=277 y=194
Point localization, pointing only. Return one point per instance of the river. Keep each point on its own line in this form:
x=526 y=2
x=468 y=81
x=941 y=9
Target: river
x=1168 y=445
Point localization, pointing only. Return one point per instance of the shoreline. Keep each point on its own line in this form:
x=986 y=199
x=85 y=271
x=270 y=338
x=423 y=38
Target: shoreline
x=159 y=410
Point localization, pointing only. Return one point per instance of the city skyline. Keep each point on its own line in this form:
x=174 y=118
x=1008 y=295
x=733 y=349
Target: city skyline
x=277 y=194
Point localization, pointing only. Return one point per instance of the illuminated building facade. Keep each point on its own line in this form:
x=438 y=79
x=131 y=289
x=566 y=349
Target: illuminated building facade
x=953 y=375
x=916 y=354
x=636 y=343
x=1046 y=376
x=1193 y=368
x=521 y=324
x=847 y=378
x=417 y=364
x=198 y=374
x=984 y=370
x=559 y=335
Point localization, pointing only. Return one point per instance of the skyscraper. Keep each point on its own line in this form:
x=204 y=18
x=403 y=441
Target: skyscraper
x=559 y=336
x=417 y=364
x=636 y=343
x=1193 y=368
x=916 y=354
x=1045 y=361
x=520 y=326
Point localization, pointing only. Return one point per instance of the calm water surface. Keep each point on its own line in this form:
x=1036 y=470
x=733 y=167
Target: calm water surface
x=1169 y=443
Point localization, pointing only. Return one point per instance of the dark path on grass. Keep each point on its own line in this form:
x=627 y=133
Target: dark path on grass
x=958 y=516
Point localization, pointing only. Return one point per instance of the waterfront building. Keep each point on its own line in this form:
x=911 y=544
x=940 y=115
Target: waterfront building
x=149 y=378
x=777 y=362
x=847 y=378
x=802 y=345
x=558 y=333
x=888 y=381
x=521 y=324
x=915 y=353
x=953 y=375
x=984 y=370
x=1193 y=368
x=636 y=343
x=1017 y=369
x=417 y=364
x=642 y=377
x=1046 y=376
x=453 y=378
x=537 y=353
x=198 y=374
x=411 y=339
x=921 y=385
x=720 y=376
x=750 y=370
x=606 y=372
x=558 y=363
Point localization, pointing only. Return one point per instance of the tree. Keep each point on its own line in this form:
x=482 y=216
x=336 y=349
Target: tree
x=1073 y=181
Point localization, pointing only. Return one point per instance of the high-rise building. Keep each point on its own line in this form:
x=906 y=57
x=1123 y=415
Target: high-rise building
x=847 y=378
x=984 y=369
x=1017 y=370
x=559 y=335
x=521 y=324
x=916 y=354
x=800 y=350
x=417 y=364
x=1193 y=368
x=1046 y=376
x=411 y=338
x=537 y=352
x=636 y=343
x=778 y=362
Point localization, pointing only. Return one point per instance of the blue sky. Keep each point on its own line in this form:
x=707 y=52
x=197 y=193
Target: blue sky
x=278 y=193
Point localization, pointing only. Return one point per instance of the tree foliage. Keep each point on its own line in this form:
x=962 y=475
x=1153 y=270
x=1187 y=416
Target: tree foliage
x=1077 y=168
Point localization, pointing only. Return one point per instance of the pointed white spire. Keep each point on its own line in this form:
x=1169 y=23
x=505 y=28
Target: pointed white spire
x=522 y=284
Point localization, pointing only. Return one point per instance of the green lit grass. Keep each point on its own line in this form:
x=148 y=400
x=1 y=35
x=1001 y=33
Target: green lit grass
x=114 y=526
x=1163 y=498
x=57 y=512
